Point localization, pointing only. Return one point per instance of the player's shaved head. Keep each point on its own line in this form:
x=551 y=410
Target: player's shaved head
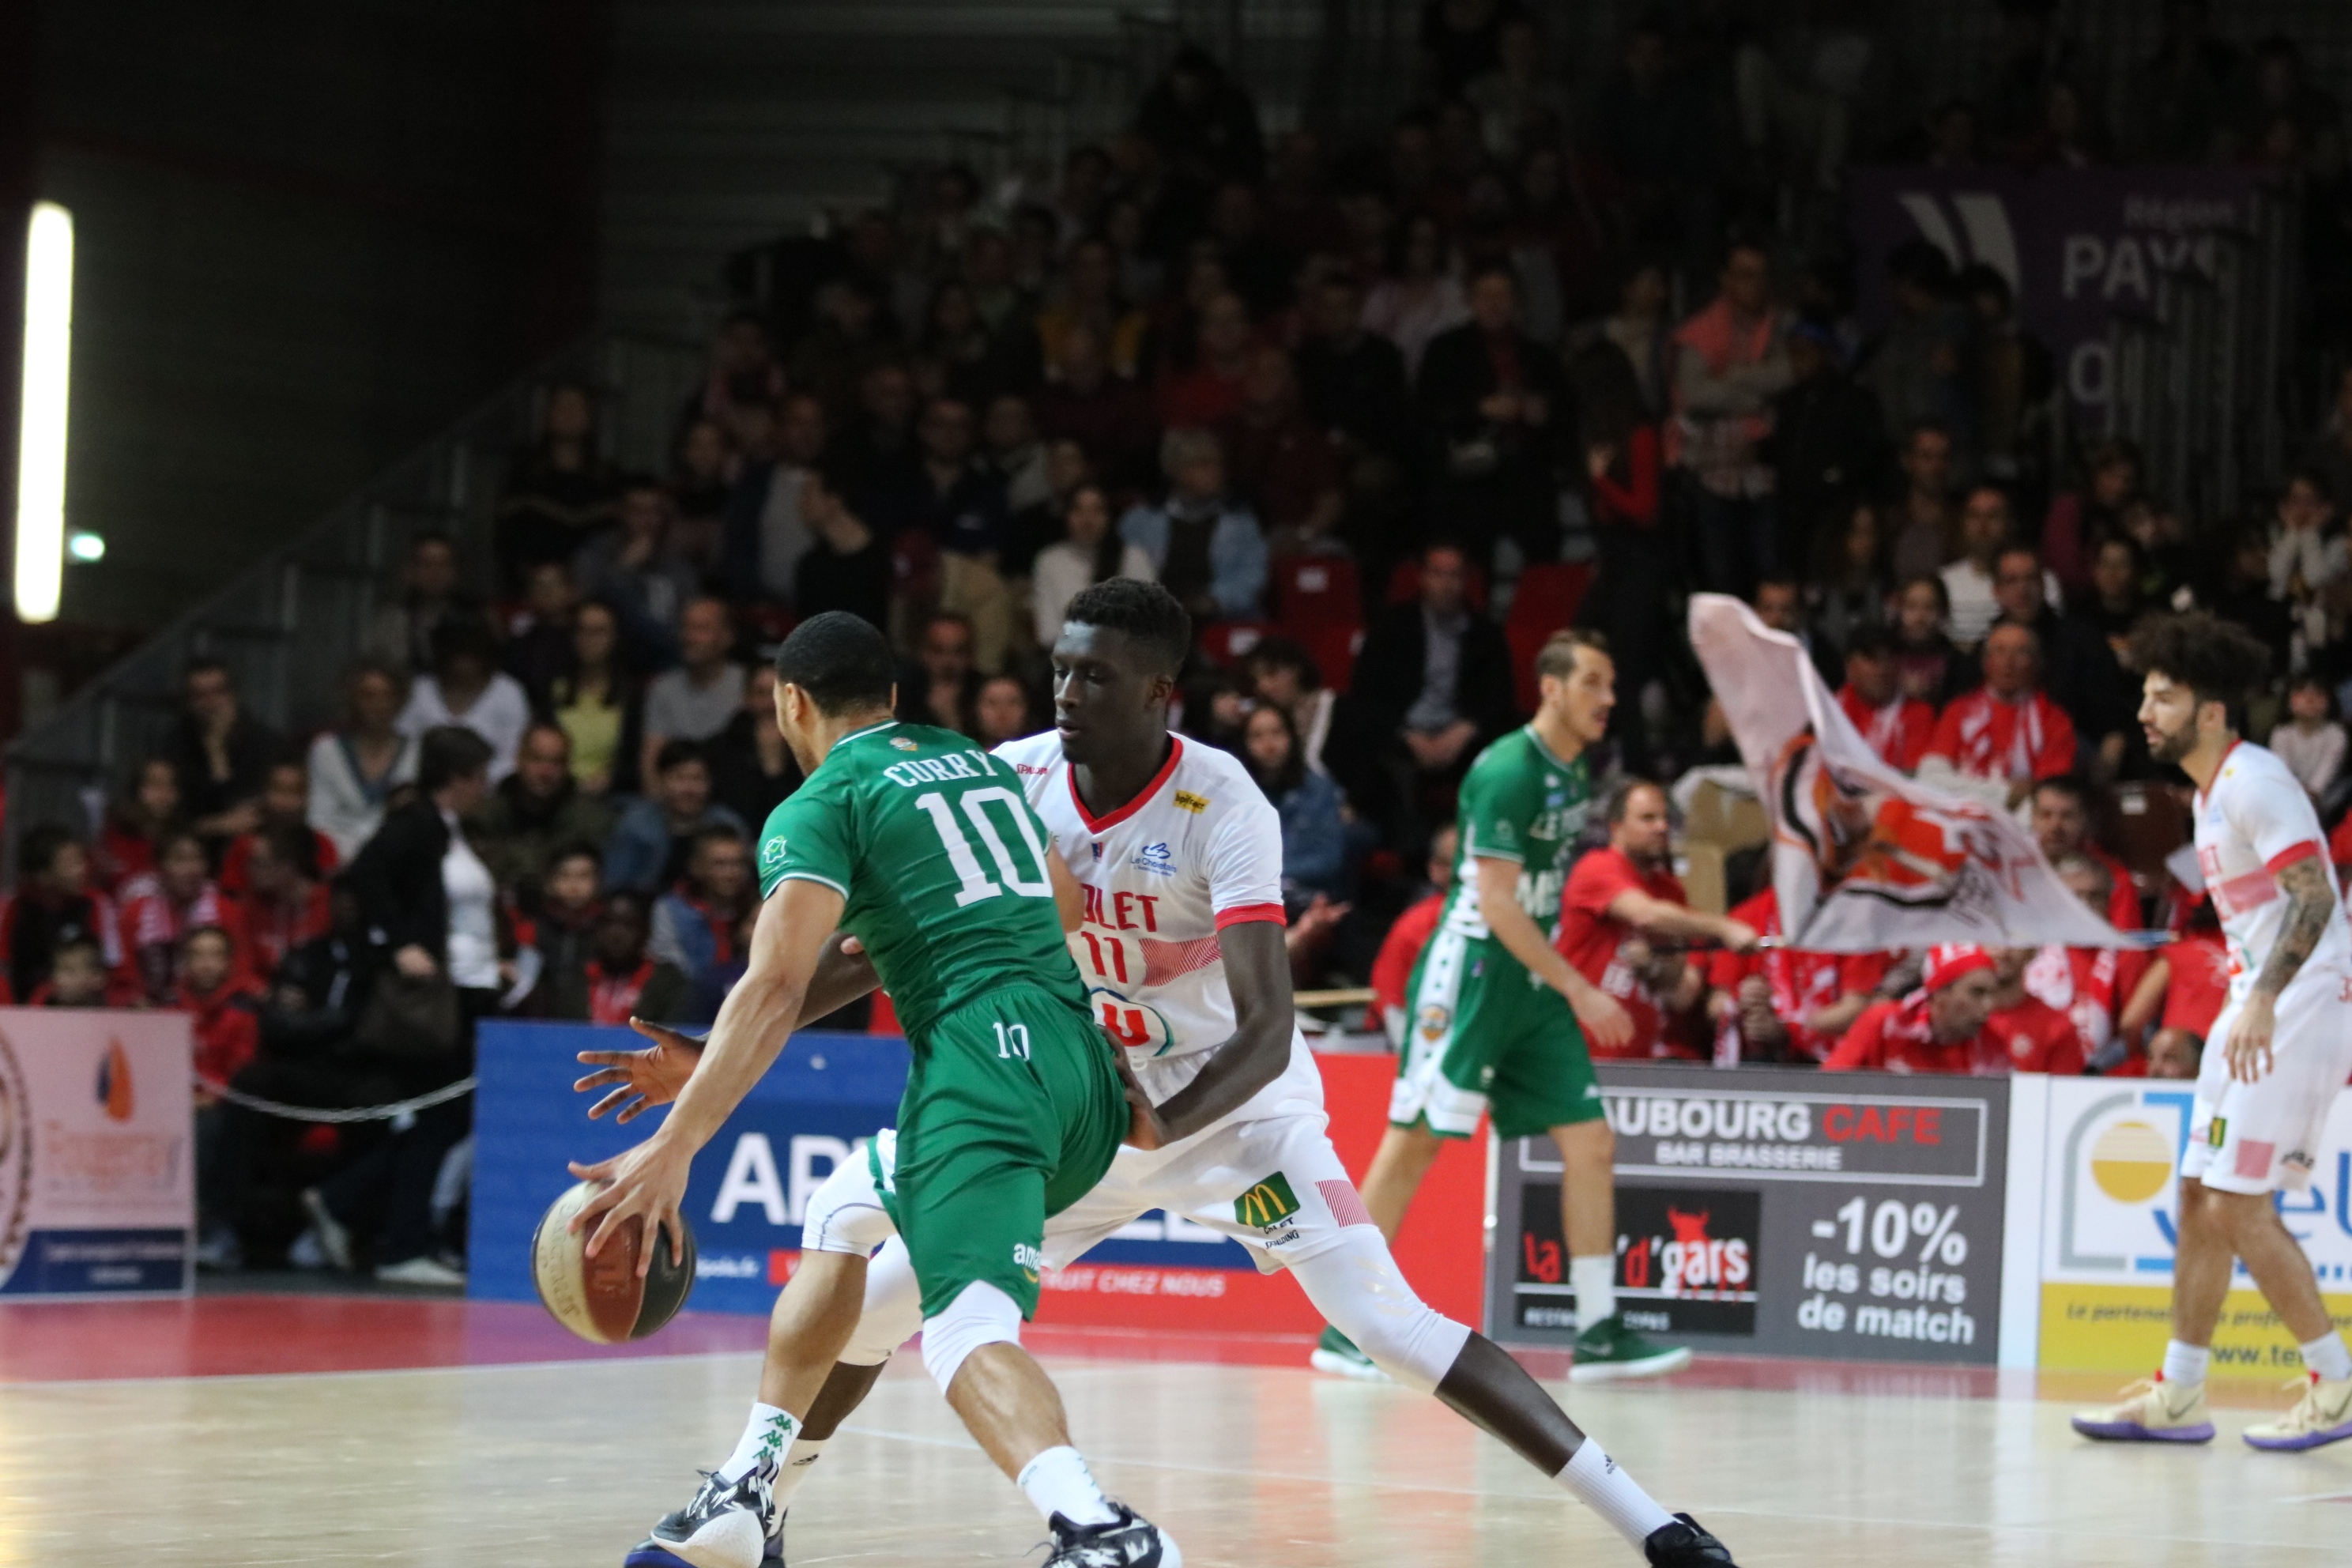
x=1153 y=620
x=842 y=661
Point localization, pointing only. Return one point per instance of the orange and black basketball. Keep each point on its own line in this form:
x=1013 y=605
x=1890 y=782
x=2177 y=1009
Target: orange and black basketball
x=602 y=1298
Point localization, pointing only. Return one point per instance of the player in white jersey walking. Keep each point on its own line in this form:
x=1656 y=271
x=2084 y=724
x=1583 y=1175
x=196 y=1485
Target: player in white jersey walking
x=2277 y=1055
x=1179 y=859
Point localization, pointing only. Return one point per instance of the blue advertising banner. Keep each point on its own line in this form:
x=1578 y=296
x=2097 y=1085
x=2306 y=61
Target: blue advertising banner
x=751 y=1186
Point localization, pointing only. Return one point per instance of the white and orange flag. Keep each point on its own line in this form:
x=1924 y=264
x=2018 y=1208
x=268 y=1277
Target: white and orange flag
x=1864 y=859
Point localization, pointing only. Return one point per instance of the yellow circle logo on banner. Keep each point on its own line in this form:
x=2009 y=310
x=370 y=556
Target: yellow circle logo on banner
x=2131 y=1162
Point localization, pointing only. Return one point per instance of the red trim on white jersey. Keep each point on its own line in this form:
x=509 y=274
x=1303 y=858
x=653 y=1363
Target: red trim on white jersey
x=1241 y=914
x=1158 y=781
x=2285 y=857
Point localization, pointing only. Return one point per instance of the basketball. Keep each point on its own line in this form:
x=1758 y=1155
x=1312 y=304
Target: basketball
x=602 y=1298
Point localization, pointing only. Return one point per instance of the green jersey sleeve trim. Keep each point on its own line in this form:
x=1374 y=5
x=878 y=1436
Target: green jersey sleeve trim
x=1480 y=852
x=808 y=877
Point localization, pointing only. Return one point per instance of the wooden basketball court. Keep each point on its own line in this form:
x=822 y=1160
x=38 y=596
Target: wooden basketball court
x=443 y=1432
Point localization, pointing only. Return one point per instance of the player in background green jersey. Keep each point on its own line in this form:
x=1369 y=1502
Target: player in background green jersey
x=922 y=847
x=1499 y=1018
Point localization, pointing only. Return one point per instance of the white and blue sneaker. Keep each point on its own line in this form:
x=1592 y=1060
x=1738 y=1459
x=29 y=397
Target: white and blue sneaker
x=728 y=1524
x=1131 y=1540
x=651 y=1553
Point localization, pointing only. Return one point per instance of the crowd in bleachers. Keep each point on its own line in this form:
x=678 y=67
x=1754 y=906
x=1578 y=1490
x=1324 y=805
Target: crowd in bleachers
x=1384 y=416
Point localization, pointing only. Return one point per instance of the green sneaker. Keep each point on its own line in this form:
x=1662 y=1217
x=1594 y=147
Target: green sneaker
x=1609 y=1350
x=1335 y=1353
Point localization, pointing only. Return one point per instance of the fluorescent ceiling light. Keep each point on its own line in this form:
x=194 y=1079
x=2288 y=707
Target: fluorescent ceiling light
x=41 y=428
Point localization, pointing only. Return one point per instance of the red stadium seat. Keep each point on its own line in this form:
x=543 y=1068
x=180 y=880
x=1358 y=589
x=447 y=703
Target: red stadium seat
x=1334 y=649
x=1226 y=642
x=1546 y=600
x=1404 y=582
x=1316 y=591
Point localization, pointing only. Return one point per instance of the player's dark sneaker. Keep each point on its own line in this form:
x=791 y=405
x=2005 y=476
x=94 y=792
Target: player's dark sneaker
x=651 y=1553
x=1609 y=1350
x=726 y=1525
x=1686 y=1544
x=1335 y=1353
x=1131 y=1540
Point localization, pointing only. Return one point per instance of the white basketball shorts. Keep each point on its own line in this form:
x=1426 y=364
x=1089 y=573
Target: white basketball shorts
x=2263 y=1136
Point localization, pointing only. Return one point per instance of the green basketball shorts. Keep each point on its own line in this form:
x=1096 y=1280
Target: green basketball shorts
x=1485 y=1034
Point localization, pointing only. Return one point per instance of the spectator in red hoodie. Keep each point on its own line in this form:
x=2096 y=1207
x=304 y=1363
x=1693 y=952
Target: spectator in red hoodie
x=222 y=1000
x=285 y=803
x=2025 y=1034
x=162 y=907
x=1896 y=725
x=1624 y=918
x=2088 y=985
x=285 y=901
x=1785 y=1005
x=53 y=906
x=1401 y=949
x=1940 y=1028
x=2181 y=993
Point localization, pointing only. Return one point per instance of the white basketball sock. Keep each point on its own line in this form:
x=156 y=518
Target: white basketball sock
x=2327 y=1356
x=2185 y=1365
x=1058 y=1481
x=766 y=1435
x=798 y=1462
x=1609 y=1493
x=1595 y=1281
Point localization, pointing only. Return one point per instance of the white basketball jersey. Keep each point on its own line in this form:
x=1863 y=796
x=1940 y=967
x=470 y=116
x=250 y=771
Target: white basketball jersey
x=1199 y=849
x=2253 y=822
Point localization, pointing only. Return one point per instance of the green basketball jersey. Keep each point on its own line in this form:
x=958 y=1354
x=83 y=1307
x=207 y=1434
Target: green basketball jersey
x=1519 y=802
x=941 y=860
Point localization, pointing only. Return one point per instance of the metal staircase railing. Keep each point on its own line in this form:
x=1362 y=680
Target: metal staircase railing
x=291 y=624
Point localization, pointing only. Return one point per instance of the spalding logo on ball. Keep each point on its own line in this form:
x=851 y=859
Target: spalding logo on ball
x=602 y=1298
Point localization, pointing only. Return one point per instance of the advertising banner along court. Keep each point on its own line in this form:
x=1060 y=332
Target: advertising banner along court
x=1775 y=1210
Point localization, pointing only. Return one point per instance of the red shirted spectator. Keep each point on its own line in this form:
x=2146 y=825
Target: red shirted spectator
x=2088 y=984
x=285 y=903
x=162 y=907
x=1783 y=1005
x=1401 y=949
x=52 y=906
x=222 y=1002
x=2181 y=993
x=126 y=840
x=1621 y=900
x=1897 y=726
x=618 y=979
x=285 y=801
x=2006 y=729
x=1936 y=1028
x=79 y=977
x=2025 y=1034
x=1211 y=388
x=2062 y=826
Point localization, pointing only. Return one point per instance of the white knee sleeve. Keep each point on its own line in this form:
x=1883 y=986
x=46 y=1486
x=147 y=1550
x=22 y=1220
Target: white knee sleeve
x=894 y=1308
x=845 y=1214
x=981 y=1314
x=1358 y=1289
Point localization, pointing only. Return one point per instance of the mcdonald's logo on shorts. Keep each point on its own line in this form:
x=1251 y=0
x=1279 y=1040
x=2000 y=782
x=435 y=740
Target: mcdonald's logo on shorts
x=2219 y=1133
x=1268 y=1204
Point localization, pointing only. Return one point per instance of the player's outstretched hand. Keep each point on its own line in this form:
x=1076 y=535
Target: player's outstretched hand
x=2249 y=1051
x=648 y=1078
x=645 y=1183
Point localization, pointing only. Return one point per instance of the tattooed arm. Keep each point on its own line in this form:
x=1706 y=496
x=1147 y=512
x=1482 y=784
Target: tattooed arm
x=2311 y=903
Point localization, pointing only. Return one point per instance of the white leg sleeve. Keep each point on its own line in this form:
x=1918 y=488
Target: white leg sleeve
x=1356 y=1286
x=845 y=1214
x=979 y=1315
x=894 y=1308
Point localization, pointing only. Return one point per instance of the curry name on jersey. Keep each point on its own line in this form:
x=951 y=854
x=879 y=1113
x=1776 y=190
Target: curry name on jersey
x=941 y=862
x=1197 y=851
x=2253 y=822
x=1519 y=802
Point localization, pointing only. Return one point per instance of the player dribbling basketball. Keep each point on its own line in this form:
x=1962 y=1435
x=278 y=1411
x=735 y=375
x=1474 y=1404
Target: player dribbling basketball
x=2279 y=1051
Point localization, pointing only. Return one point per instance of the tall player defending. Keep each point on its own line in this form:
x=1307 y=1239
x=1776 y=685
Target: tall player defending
x=1499 y=1016
x=1181 y=859
x=922 y=846
x=2284 y=1038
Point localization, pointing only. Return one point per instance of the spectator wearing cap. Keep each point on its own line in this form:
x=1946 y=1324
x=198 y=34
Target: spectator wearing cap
x=1938 y=1028
x=465 y=687
x=401 y=633
x=695 y=701
x=1204 y=547
x=536 y=811
x=655 y=836
x=220 y=752
x=1494 y=401
x=1897 y=724
x=1624 y=917
x=53 y=905
x=1828 y=445
x=2007 y=732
